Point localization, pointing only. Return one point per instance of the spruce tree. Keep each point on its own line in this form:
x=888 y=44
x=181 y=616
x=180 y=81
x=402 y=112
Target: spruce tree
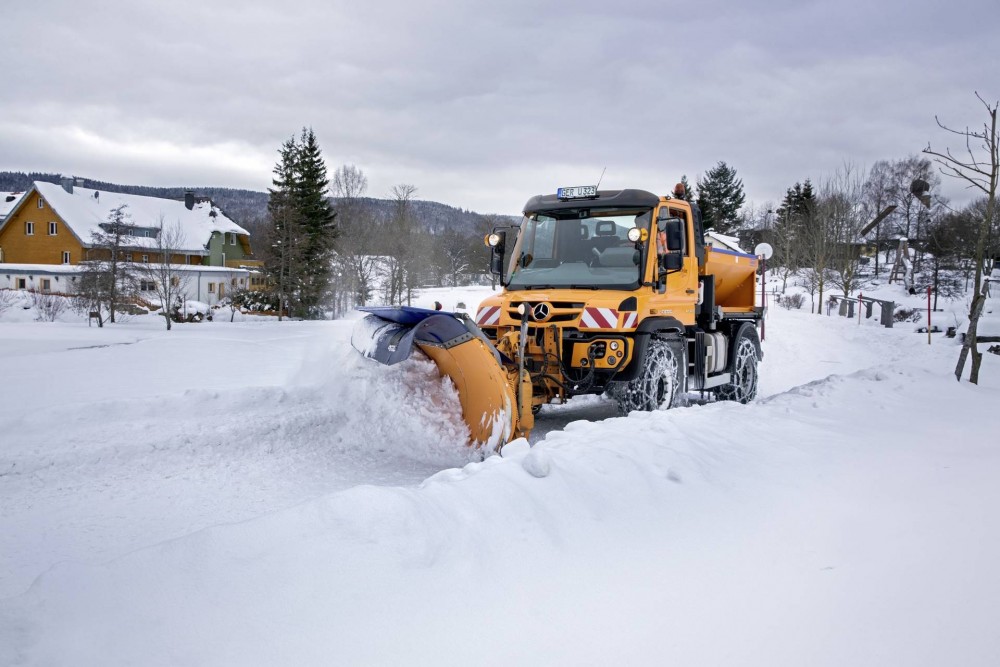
x=720 y=197
x=282 y=249
x=316 y=218
x=299 y=242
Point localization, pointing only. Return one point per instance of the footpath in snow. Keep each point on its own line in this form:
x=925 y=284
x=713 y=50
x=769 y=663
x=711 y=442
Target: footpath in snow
x=847 y=517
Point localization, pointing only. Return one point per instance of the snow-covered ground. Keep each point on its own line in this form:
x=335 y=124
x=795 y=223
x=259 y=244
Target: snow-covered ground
x=255 y=493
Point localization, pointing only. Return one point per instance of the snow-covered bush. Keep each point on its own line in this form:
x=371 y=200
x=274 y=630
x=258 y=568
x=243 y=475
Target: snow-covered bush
x=47 y=306
x=7 y=299
x=792 y=301
x=255 y=301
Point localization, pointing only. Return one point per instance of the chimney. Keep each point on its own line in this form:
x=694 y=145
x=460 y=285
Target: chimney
x=67 y=184
x=189 y=200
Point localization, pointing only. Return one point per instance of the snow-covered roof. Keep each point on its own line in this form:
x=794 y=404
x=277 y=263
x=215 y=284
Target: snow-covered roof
x=84 y=209
x=76 y=268
x=8 y=200
x=39 y=268
x=717 y=240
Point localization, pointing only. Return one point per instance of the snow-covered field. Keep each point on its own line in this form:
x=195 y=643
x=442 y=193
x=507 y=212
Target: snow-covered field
x=256 y=494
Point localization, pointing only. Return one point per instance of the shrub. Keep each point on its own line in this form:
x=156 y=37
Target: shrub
x=47 y=306
x=256 y=302
x=7 y=299
x=792 y=301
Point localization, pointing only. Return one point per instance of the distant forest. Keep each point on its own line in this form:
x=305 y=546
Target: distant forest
x=248 y=208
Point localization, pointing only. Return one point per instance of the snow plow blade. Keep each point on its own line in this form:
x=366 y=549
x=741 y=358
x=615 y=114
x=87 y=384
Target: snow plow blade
x=487 y=383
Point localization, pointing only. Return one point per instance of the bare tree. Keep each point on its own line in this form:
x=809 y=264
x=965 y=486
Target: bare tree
x=817 y=245
x=979 y=167
x=812 y=281
x=357 y=259
x=879 y=198
x=909 y=211
x=94 y=293
x=164 y=277
x=403 y=256
x=944 y=243
x=452 y=259
x=842 y=204
x=111 y=253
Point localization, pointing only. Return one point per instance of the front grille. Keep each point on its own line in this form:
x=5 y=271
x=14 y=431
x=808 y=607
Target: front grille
x=562 y=311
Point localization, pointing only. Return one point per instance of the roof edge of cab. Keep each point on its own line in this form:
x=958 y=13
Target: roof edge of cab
x=619 y=198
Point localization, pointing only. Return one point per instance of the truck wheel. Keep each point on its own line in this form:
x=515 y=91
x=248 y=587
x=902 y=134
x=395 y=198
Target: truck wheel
x=743 y=388
x=660 y=382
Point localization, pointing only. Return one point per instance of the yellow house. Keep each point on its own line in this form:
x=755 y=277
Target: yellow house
x=55 y=224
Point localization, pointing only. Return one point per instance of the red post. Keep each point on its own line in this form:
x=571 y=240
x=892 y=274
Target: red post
x=928 y=315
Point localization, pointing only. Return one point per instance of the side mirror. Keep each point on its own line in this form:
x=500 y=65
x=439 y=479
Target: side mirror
x=674 y=230
x=497 y=241
x=670 y=243
x=672 y=261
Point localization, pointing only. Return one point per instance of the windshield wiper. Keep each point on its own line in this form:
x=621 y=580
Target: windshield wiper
x=593 y=287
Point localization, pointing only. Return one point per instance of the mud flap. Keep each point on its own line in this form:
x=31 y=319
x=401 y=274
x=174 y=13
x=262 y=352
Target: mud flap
x=460 y=351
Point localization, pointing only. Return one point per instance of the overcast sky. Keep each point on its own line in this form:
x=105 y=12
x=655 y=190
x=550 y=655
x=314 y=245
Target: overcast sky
x=481 y=105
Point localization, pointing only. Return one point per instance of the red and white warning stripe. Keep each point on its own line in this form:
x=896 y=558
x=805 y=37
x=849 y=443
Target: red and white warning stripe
x=629 y=319
x=599 y=318
x=488 y=316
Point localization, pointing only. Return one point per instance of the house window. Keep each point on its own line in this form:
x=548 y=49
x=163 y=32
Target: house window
x=65 y=256
x=131 y=257
x=232 y=239
x=53 y=229
x=22 y=283
x=147 y=286
x=29 y=228
x=41 y=203
x=211 y=288
x=145 y=259
x=233 y=282
x=46 y=284
x=175 y=281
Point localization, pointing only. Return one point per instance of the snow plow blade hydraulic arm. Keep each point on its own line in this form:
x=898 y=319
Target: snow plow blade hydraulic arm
x=496 y=403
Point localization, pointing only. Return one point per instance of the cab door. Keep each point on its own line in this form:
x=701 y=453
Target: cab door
x=676 y=264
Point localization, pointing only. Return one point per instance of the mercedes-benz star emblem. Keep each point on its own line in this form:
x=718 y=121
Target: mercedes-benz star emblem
x=540 y=313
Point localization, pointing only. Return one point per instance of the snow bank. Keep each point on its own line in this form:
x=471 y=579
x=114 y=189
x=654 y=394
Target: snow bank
x=846 y=519
x=121 y=437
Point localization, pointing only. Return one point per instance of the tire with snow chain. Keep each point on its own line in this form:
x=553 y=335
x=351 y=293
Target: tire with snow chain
x=659 y=384
x=743 y=387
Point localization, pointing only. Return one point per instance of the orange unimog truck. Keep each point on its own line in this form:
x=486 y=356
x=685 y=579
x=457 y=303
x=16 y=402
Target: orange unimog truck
x=604 y=292
x=623 y=296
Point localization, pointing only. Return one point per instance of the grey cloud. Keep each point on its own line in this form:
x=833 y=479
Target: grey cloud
x=483 y=104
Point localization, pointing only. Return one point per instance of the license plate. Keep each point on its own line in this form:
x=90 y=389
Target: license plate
x=578 y=192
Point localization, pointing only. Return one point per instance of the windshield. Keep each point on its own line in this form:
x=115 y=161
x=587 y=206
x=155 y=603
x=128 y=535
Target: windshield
x=578 y=248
